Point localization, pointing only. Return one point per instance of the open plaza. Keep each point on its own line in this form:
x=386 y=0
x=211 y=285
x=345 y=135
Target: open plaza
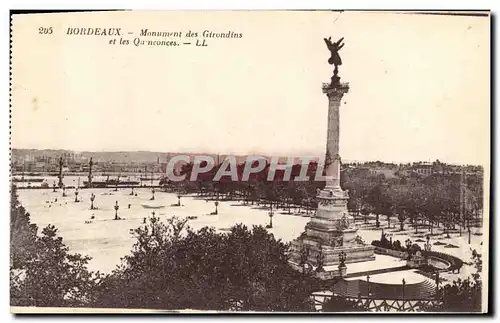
x=95 y=232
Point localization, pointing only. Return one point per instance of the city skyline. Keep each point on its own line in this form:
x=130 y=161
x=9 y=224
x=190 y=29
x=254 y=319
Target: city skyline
x=425 y=99
x=161 y=155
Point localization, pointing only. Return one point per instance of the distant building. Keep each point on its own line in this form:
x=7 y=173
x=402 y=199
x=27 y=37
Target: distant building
x=39 y=166
x=423 y=169
x=387 y=172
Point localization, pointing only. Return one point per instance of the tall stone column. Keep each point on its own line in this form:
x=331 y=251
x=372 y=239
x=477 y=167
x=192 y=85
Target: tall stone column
x=60 y=172
x=332 y=158
x=90 y=173
x=332 y=200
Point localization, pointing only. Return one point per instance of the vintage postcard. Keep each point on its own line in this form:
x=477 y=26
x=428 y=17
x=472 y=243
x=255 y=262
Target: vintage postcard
x=250 y=161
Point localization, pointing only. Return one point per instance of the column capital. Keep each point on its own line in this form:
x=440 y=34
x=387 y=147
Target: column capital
x=337 y=90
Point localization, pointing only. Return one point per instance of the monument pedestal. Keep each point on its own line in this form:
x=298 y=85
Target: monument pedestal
x=330 y=233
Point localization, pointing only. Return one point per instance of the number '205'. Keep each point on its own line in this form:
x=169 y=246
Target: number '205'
x=45 y=31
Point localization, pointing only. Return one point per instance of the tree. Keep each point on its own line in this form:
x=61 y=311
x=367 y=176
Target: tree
x=401 y=203
x=181 y=268
x=51 y=276
x=417 y=203
x=42 y=271
x=22 y=233
x=378 y=201
x=358 y=185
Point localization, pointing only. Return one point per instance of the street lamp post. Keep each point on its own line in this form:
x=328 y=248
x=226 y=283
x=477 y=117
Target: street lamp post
x=468 y=230
x=342 y=258
x=437 y=284
x=404 y=286
x=271 y=214
x=116 y=210
x=368 y=283
x=427 y=246
x=408 y=246
x=342 y=267
x=153 y=221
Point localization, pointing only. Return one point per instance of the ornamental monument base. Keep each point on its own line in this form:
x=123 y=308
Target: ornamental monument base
x=330 y=237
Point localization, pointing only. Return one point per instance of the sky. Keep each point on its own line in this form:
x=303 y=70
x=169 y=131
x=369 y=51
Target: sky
x=419 y=85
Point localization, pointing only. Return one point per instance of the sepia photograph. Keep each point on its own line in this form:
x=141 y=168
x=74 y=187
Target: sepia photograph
x=250 y=162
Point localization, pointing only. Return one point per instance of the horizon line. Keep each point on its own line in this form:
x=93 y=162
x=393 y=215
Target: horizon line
x=322 y=155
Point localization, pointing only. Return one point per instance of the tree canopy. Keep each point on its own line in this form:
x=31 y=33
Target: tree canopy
x=174 y=267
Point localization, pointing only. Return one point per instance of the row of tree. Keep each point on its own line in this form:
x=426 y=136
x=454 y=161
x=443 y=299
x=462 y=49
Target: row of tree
x=449 y=199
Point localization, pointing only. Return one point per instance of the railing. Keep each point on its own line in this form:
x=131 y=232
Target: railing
x=455 y=262
x=358 y=288
x=390 y=252
x=380 y=304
